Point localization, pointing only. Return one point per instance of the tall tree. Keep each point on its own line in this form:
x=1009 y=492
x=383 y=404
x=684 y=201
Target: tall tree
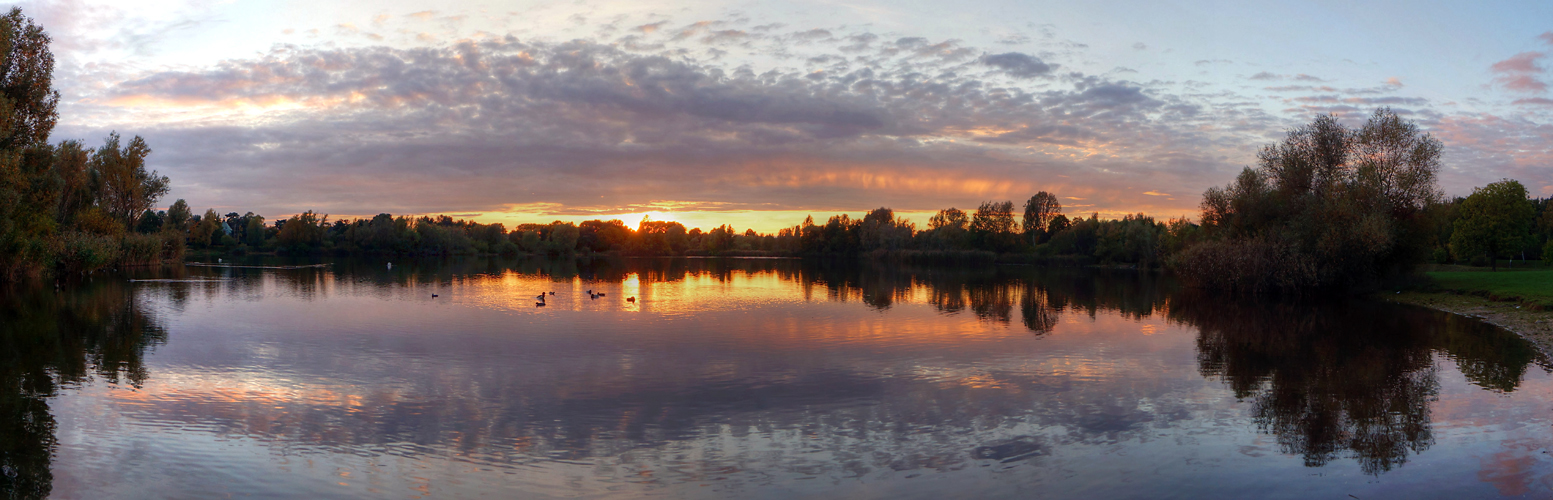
x=1039 y=211
x=1494 y=220
x=127 y=188
x=27 y=96
x=28 y=187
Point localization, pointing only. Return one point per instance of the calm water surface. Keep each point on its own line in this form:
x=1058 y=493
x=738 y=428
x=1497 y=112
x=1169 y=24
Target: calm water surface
x=748 y=379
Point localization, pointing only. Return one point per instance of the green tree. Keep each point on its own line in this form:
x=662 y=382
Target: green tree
x=253 y=234
x=1494 y=220
x=28 y=183
x=28 y=100
x=178 y=215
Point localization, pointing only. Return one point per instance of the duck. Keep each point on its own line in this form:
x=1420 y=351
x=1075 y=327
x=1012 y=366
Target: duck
x=552 y=293
x=630 y=299
x=539 y=304
x=434 y=295
x=601 y=294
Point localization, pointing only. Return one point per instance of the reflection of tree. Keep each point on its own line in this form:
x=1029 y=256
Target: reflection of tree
x=1042 y=294
x=50 y=339
x=1342 y=379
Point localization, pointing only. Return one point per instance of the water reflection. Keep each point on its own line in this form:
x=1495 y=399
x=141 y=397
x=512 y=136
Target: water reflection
x=53 y=341
x=1331 y=380
x=760 y=373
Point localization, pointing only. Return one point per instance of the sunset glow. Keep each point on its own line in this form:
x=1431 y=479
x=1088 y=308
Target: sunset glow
x=759 y=115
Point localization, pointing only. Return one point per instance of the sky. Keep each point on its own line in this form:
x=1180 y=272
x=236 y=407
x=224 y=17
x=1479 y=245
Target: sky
x=758 y=114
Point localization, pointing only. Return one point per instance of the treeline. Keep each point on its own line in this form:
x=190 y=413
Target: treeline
x=65 y=206
x=992 y=229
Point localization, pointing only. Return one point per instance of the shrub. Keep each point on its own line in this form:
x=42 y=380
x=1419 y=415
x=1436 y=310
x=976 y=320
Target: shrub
x=1251 y=266
x=140 y=249
x=81 y=252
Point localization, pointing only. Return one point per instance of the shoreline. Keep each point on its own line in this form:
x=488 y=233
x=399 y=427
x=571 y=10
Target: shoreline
x=1534 y=326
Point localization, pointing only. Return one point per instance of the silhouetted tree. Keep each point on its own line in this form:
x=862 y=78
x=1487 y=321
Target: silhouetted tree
x=1039 y=212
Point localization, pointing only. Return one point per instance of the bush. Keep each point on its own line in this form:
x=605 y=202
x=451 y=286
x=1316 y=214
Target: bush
x=140 y=249
x=1251 y=266
x=85 y=252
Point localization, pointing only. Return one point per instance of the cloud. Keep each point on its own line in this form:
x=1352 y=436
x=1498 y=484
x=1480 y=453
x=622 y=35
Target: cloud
x=1018 y=64
x=1546 y=37
x=841 y=119
x=483 y=125
x=1366 y=101
x=1140 y=46
x=1533 y=101
x=1264 y=75
x=1520 y=73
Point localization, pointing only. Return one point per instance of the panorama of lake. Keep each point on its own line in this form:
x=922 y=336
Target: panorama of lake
x=748 y=378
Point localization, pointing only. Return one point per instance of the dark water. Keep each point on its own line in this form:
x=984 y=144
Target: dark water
x=748 y=379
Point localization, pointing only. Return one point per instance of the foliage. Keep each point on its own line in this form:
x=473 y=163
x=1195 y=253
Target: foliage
x=992 y=226
x=1039 y=212
x=64 y=207
x=1494 y=221
x=1341 y=205
x=127 y=189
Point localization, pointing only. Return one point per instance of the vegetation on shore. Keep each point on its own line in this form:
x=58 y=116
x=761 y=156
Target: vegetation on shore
x=65 y=207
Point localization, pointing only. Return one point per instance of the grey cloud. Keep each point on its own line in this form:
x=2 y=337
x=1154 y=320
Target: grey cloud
x=1018 y=64
x=479 y=125
x=1367 y=101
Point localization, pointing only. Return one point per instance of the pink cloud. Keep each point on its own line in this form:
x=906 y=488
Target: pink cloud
x=1519 y=73
x=1525 y=62
x=1546 y=37
x=1534 y=101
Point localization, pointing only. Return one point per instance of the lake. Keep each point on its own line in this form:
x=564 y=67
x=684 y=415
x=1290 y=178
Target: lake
x=747 y=378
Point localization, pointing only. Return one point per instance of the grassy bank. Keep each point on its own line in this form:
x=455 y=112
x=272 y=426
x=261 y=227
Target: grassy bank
x=1530 y=287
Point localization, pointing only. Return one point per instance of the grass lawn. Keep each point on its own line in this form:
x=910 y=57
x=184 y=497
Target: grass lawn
x=1532 y=284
